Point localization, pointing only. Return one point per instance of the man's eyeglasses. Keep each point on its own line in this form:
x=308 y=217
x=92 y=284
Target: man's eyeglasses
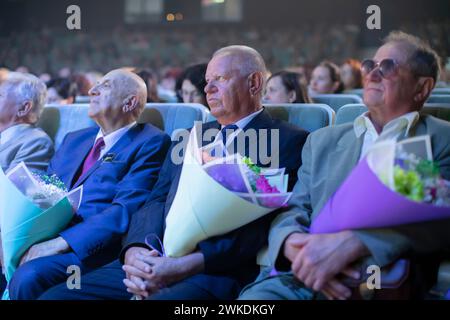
x=386 y=67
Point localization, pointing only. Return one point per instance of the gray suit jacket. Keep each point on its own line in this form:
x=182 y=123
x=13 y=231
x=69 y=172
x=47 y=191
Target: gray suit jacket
x=328 y=157
x=30 y=145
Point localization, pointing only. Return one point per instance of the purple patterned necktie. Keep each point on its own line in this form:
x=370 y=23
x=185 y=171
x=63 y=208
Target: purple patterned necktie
x=93 y=155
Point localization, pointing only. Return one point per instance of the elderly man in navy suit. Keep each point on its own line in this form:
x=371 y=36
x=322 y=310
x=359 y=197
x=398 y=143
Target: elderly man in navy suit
x=219 y=266
x=117 y=165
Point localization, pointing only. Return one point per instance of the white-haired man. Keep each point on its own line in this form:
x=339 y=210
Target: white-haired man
x=22 y=97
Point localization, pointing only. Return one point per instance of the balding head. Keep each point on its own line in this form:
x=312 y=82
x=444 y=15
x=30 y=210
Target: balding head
x=235 y=79
x=118 y=99
x=130 y=83
x=244 y=58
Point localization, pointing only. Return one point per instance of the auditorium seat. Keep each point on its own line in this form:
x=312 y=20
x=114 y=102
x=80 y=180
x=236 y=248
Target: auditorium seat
x=172 y=116
x=445 y=90
x=308 y=116
x=82 y=99
x=439 y=98
x=350 y=112
x=58 y=120
x=335 y=101
x=358 y=92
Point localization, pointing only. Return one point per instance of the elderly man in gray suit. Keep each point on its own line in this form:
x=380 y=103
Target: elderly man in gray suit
x=22 y=97
x=397 y=82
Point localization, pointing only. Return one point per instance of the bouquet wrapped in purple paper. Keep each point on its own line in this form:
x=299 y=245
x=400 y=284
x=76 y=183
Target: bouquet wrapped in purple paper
x=395 y=184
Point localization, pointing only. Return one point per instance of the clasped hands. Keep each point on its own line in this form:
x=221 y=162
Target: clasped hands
x=317 y=260
x=147 y=272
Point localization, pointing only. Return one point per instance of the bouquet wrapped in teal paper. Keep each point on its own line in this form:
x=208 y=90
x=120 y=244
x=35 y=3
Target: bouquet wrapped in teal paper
x=33 y=208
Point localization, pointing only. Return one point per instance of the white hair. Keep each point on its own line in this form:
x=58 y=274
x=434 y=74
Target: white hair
x=27 y=87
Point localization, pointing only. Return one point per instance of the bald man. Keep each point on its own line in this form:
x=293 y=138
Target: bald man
x=220 y=266
x=117 y=166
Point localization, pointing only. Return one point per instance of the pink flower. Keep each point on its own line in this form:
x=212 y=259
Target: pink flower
x=263 y=186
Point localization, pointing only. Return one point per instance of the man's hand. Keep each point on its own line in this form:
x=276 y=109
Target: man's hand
x=45 y=249
x=164 y=271
x=318 y=258
x=135 y=284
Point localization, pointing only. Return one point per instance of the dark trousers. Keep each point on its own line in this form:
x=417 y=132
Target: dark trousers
x=106 y=283
x=37 y=276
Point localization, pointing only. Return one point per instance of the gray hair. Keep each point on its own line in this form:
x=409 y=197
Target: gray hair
x=27 y=87
x=424 y=61
x=249 y=60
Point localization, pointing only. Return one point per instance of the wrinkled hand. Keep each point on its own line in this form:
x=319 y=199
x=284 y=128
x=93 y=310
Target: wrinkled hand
x=45 y=249
x=135 y=284
x=318 y=258
x=150 y=273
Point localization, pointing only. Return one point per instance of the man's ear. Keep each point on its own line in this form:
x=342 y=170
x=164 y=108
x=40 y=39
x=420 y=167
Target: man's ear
x=130 y=103
x=24 y=109
x=255 y=83
x=424 y=87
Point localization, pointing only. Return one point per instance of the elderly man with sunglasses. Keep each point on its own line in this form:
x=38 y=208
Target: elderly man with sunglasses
x=397 y=82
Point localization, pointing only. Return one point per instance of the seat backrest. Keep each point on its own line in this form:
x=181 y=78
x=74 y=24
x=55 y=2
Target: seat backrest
x=58 y=120
x=445 y=90
x=439 y=98
x=335 y=101
x=308 y=116
x=82 y=99
x=350 y=112
x=358 y=92
x=170 y=117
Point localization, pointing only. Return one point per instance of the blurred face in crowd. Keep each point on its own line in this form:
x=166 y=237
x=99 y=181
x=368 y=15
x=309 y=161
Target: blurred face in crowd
x=321 y=81
x=54 y=98
x=347 y=76
x=276 y=92
x=190 y=93
x=8 y=106
x=391 y=91
x=227 y=90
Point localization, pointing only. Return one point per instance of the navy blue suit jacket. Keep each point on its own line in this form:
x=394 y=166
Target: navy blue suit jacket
x=116 y=186
x=230 y=259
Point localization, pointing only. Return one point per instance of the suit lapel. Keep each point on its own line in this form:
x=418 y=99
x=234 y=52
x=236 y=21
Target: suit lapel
x=123 y=142
x=343 y=159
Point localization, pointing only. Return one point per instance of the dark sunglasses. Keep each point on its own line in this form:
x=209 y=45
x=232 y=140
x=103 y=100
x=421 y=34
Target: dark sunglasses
x=386 y=67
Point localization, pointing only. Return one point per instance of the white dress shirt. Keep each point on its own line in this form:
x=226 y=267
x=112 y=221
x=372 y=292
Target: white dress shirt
x=392 y=130
x=112 y=138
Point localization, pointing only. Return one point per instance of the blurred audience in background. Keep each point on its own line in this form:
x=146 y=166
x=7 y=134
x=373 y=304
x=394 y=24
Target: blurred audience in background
x=61 y=91
x=326 y=78
x=190 y=86
x=286 y=87
x=351 y=74
x=151 y=80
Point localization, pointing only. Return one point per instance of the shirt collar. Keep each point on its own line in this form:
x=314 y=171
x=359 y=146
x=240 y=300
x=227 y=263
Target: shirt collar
x=12 y=132
x=112 y=138
x=242 y=123
x=363 y=123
